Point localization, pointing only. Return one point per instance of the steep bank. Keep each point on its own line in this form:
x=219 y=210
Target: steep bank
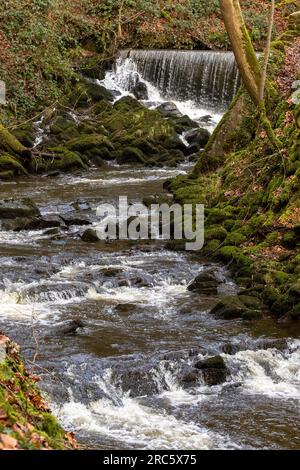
x=26 y=421
x=251 y=192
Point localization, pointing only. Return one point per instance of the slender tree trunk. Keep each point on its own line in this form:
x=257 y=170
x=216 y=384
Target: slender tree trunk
x=120 y=32
x=253 y=78
x=267 y=53
x=242 y=46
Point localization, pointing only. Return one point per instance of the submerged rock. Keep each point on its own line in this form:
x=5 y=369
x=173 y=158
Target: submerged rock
x=69 y=327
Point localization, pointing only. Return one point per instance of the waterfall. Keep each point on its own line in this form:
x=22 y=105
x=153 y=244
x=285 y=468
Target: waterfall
x=205 y=77
x=200 y=83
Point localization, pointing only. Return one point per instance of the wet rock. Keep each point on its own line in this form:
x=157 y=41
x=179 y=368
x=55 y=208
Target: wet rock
x=139 y=281
x=140 y=91
x=205 y=283
x=123 y=282
x=111 y=271
x=229 y=307
x=169 y=109
x=193 y=149
x=206 y=119
x=125 y=308
x=90 y=236
x=231 y=349
x=198 y=136
x=138 y=382
x=34 y=223
x=183 y=123
x=11 y=209
x=263 y=344
x=189 y=377
x=214 y=370
x=69 y=327
x=75 y=219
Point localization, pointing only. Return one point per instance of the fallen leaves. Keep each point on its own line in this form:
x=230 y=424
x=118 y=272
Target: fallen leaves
x=8 y=443
x=3 y=340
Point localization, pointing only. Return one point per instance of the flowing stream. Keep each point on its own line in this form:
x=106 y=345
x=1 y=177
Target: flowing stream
x=116 y=383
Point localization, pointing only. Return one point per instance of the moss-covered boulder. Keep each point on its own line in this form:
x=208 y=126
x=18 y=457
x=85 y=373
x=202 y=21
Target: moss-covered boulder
x=87 y=93
x=131 y=155
x=229 y=307
x=25 y=134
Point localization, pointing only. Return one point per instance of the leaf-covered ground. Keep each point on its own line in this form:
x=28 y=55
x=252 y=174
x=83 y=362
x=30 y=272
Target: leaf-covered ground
x=26 y=421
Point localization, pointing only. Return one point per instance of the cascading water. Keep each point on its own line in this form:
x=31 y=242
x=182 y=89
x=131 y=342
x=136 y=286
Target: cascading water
x=199 y=82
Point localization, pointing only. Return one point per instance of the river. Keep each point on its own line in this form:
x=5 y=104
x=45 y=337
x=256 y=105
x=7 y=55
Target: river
x=116 y=383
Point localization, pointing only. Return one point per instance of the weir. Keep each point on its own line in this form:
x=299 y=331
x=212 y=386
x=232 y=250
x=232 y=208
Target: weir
x=207 y=78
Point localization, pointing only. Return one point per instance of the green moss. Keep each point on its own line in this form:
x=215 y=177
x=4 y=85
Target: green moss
x=215 y=232
x=27 y=418
x=8 y=164
x=232 y=253
x=235 y=238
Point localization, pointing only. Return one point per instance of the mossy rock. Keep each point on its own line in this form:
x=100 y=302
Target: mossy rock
x=131 y=155
x=294 y=313
x=25 y=134
x=86 y=94
x=232 y=253
x=252 y=315
x=229 y=307
x=6 y=175
x=235 y=239
x=215 y=232
x=63 y=160
x=216 y=215
x=251 y=302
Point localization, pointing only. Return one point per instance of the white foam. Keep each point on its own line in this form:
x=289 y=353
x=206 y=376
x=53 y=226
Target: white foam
x=269 y=372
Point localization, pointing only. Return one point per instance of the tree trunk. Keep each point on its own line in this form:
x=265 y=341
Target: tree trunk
x=242 y=47
x=267 y=53
x=9 y=143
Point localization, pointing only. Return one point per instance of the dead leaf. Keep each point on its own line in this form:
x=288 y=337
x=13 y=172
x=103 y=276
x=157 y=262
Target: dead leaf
x=8 y=442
